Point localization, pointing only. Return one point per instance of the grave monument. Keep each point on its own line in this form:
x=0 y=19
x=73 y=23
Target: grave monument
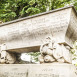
x=52 y=33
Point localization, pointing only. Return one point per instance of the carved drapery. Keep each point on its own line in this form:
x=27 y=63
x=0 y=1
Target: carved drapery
x=51 y=51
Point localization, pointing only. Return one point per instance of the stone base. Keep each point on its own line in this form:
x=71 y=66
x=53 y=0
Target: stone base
x=38 y=70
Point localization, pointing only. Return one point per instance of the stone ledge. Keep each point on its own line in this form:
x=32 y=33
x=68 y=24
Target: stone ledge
x=37 y=70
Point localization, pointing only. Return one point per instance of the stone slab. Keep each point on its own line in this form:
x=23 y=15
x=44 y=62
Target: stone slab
x=13 y=70
x=38 y=70
x=28 y=34
x=52 y=70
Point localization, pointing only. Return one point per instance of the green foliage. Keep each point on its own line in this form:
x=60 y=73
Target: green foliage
x=14 y=9
x=34 y=55
x=74 y=52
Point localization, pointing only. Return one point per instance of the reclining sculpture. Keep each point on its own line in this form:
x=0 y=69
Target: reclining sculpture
x=28 y=34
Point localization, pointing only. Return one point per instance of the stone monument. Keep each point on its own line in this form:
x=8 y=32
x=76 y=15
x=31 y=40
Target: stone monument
x=52 y=51
x=52 y=33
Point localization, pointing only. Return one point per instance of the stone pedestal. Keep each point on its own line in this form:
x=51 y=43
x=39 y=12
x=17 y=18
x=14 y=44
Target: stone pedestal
x=38 y=70
x=52 y=70
x=13 y=70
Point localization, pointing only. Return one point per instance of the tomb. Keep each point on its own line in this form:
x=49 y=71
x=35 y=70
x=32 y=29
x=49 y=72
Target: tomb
x=52 y=33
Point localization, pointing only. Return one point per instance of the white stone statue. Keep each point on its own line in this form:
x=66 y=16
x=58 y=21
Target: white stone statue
x=10 y=58
x=52 y=51
x=41 y=58
x=6 y=57
x=46 y=48
x=49 y=58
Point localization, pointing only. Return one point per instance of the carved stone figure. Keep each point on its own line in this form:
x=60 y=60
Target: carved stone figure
x=3 y=56
x=46 y=48
x=67 y=55
x=41 y=58
x=52 y=51
x=48 y=58
x=6 y=57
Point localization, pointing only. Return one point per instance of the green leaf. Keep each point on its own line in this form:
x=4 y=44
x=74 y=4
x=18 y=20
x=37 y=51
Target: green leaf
x=32 y=2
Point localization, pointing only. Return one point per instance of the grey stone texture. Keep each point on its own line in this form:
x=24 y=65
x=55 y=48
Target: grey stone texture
x=52 y=51
x=27 y=34
x=38 y=70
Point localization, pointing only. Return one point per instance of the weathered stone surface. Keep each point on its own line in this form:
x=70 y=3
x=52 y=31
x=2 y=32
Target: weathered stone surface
x=38 y=70
x=52 y=51
x=52 y=70
x=13 y=70
x=27 y=34
x=6 y=57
